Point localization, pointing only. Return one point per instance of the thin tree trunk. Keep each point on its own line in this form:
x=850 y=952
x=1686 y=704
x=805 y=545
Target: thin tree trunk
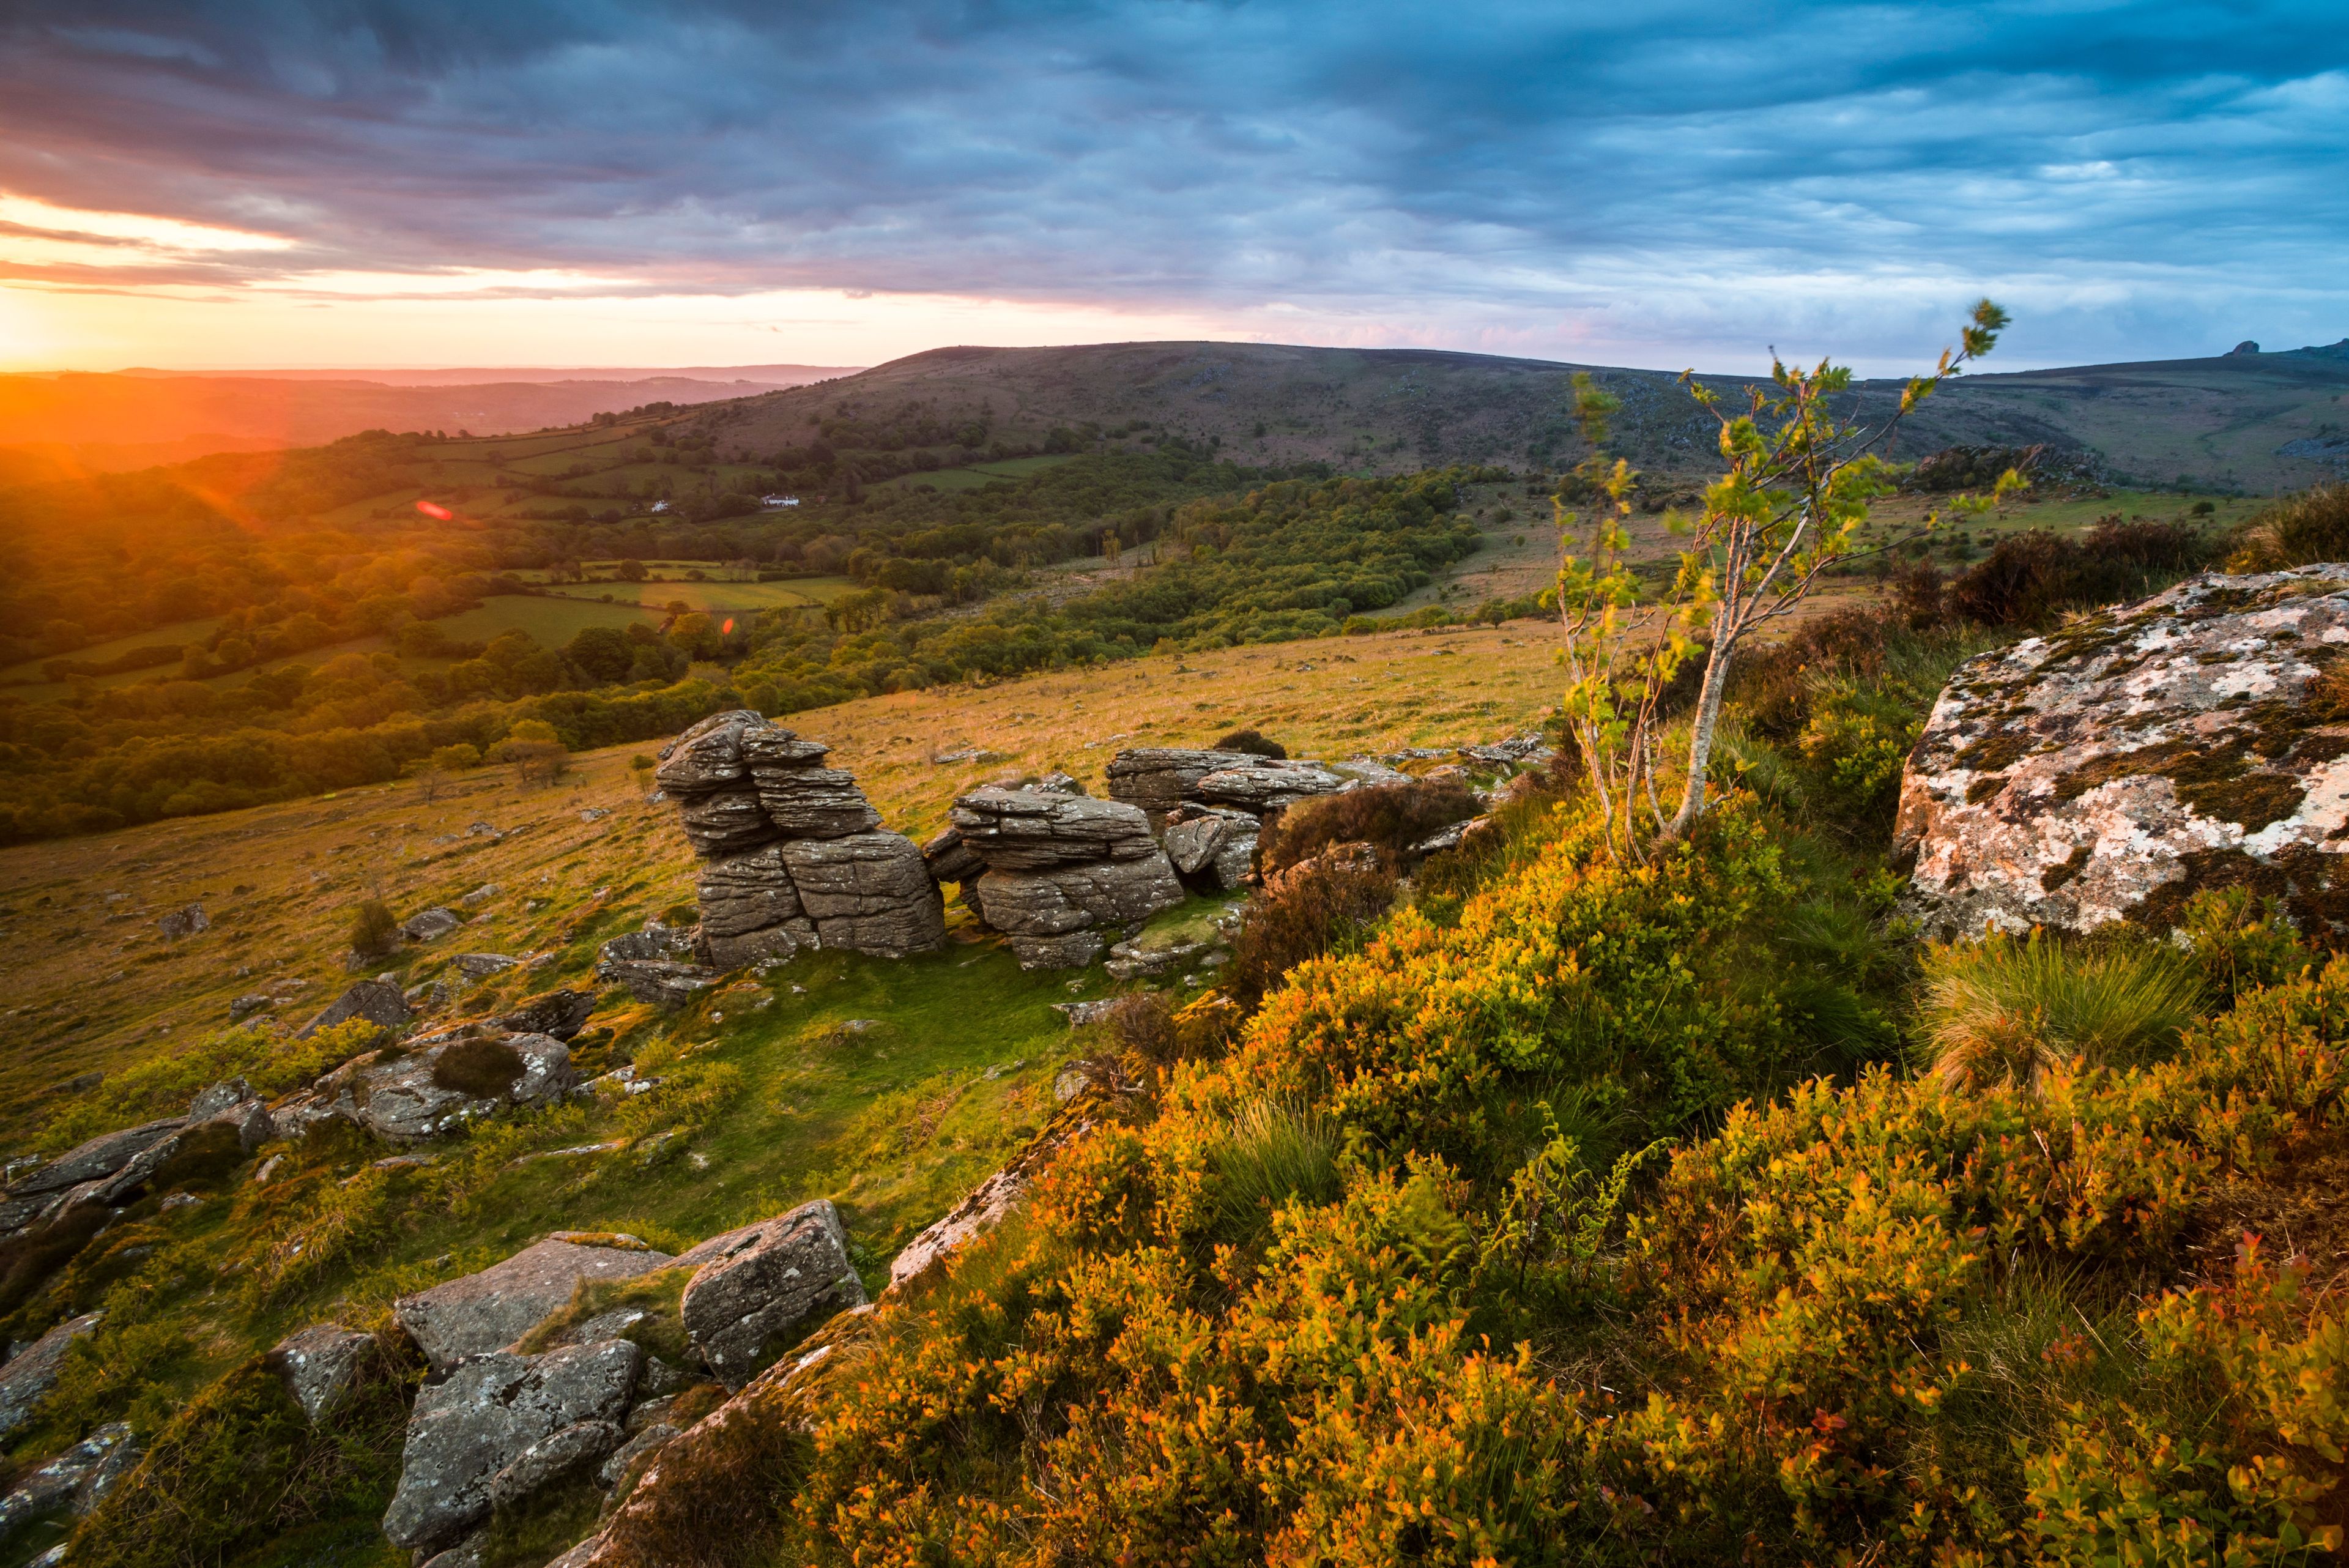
x=1701 y=728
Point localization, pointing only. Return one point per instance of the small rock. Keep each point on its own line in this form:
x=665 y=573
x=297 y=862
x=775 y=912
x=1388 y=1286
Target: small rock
x=245 y=1006
x=33 y=1372
x=77 y=1479
x=184 y=922
x=480 y=966
x=595 y=813
x=481 y=895
x=763 y=1284
x=318 y=1365
x=429 y=925
x=378 y=1002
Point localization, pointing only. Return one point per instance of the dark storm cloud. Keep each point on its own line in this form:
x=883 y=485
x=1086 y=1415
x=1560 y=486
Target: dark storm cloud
x=2131 y=171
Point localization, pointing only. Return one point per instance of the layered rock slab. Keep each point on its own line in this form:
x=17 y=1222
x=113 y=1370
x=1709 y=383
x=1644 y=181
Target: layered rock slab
x=1066 y=874
x=796 y=858
x=2110 y=771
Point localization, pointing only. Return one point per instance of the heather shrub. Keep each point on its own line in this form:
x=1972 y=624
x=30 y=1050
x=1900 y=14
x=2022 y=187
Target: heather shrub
x=1306 y=911
x=1253 y=743
x=374 y=928
x=239 y=1465
x=1392 y=817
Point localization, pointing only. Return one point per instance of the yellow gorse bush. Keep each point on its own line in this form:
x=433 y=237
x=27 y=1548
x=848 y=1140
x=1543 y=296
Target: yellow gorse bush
x=1775 y=1357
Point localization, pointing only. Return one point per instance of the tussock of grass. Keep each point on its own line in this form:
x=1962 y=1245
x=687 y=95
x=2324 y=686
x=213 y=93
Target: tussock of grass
x=2008 y=1010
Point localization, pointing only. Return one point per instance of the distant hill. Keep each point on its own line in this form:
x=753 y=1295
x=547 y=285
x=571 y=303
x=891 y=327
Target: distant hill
x=2252 y=421
x=134 y=419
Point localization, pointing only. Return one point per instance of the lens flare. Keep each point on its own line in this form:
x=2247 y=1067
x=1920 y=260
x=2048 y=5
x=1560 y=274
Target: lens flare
x=727 y=630
x=431 y=509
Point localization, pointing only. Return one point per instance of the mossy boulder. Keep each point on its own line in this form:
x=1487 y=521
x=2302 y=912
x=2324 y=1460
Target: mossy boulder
x=2112 y=770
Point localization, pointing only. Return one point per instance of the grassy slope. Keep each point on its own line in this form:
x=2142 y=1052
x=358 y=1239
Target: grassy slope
x=92 y=985
x=894 y=1119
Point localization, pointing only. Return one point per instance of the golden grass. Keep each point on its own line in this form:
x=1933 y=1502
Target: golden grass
x=89 y=983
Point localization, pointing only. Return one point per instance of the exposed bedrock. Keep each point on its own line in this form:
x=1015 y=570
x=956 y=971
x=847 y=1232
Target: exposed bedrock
x=795 y=858
x=2111 y=771
x=1065 y=875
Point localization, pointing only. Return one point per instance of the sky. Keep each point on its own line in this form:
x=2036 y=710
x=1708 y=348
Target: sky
x=221 y=184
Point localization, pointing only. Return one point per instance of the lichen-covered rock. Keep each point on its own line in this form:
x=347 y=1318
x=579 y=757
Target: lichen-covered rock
x=184 y=922
x=318 y=1364
x=429 y=1092
x=378 y=1002
x=758 y=1288
x=950 y=859
x=1115 y=893
x=708 y=755
x=658 y=964
x=33 y=1372
x=1029 y=830
x=561 y=1013
x=429 y=925
x=815 y=802
x=1261 y=785
x=77 y=1479
x=492 y=1309
x=743 y=893
x=566 y=1453
x=101 y=1155
x=483 y=1417
x=868 y=892
x=725 y=822
x=1215 y=844
x=2110 y=771
x=796 y=859
x=1160 y=778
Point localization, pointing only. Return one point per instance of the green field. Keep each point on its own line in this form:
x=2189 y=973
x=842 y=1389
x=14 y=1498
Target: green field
x=182 y=632
x=980 y=474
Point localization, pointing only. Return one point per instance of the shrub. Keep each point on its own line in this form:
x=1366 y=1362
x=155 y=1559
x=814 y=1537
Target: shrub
x=2003 y=1009
x=1253 y=743
x=1391 y=816
x=2028 y=577
x=1313 y=906
x=482 y=1069
x=2310 y=527
x=456 y=758
x=374 y=928
x=2241 y=941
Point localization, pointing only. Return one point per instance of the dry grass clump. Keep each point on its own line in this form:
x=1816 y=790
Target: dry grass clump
x=1254 y=743
x=2019 y=1010
x=2310 y=527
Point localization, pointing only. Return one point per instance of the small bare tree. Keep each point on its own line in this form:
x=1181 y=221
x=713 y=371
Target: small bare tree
x=1805 y=460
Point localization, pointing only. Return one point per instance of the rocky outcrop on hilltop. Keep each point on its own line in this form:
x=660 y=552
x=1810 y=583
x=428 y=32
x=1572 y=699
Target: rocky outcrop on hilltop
x=1065 y=874
x=794 y=856
x=2112 y=770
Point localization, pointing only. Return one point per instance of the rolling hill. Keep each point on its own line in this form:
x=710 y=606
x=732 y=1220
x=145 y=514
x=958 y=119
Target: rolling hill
x=2247 y=422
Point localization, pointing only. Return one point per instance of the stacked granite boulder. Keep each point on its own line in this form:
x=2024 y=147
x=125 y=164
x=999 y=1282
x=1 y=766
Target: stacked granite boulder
x=1061 y=874
x=793 y=854
x=1212 y=804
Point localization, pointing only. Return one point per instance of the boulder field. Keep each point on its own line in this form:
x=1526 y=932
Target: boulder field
x=2112 y=770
